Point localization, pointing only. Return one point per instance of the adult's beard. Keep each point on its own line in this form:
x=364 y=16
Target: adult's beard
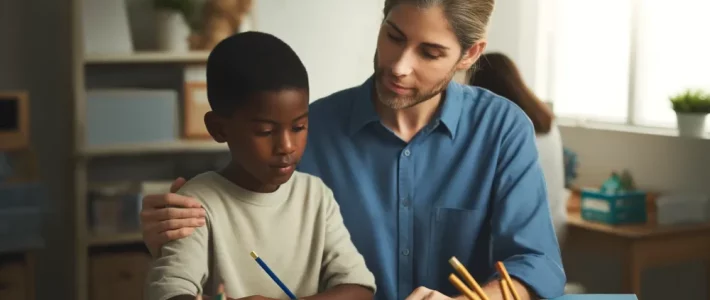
x=394 y=101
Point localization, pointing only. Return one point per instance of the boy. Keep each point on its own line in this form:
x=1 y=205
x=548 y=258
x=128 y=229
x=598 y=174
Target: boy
x=258 y=91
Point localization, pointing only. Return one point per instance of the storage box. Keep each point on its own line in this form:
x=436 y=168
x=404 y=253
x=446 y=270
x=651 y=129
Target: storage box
x=131 y=116
x=21 y=215
x=114 y=207
x=682 y=208
x=614 y=209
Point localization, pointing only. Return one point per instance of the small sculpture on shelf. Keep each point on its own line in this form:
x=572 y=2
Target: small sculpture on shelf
x=220 y=19
x=174 y=24
x=618 y=183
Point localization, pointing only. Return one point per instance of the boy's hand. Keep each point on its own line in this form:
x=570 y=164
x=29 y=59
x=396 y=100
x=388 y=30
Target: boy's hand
x=168 y=217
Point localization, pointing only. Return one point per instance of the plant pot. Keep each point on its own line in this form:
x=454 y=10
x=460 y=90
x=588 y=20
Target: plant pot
x=691 y=124
x=173 y=32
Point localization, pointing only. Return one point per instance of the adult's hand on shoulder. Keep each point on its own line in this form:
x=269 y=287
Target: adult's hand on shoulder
x=423 y=293
x=168 y=217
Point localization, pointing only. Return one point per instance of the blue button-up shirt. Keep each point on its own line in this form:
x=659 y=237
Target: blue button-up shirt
x=468 y=185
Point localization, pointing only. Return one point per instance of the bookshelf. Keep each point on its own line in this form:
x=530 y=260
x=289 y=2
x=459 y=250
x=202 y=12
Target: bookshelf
x=152 y=148
x=147 y=57
x=140 y=69
x=115 y=239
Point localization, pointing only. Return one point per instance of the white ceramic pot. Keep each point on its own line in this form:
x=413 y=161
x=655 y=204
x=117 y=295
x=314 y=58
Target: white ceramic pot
x=173 y=31
x=691 y=125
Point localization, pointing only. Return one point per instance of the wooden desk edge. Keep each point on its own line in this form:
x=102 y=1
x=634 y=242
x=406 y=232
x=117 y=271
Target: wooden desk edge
x=636 y=231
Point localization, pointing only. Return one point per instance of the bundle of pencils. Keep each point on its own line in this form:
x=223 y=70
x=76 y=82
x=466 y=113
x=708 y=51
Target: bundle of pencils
x=506 y=284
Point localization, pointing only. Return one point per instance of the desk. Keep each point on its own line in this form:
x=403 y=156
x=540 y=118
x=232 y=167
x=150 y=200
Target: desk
x=597 y=297
x=641 y=246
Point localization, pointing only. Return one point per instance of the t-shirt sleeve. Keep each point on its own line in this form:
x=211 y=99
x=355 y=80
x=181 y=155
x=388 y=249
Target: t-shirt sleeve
x=342 y=263
x=182 y=268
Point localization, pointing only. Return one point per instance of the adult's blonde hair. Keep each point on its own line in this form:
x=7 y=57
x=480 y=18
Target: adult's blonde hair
x=468 y=18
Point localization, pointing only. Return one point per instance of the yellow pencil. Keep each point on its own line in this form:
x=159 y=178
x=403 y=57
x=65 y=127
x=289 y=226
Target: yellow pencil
x=467 y=277
x=504 y=289
x=463 y=289
x=504 y=275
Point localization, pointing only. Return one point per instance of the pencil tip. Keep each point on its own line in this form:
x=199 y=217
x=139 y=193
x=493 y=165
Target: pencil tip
x=253 y=255
x=453 y=261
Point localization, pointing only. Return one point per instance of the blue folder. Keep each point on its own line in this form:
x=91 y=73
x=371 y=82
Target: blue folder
x=598 y=297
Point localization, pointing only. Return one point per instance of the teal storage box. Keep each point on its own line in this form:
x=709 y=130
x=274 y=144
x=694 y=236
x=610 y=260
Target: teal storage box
x=627 y=207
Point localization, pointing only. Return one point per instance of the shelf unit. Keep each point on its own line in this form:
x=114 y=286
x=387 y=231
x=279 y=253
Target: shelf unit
x=152 y=148
x=95 y=240
x=147 y=57
x=83 y=155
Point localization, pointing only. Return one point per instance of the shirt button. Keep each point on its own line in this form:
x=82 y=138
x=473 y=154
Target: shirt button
x=406 y=152
x=405 y=252
x=405 y=202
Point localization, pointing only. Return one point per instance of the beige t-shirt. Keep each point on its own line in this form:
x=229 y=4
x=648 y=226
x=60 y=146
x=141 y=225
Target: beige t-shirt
x=298 y=231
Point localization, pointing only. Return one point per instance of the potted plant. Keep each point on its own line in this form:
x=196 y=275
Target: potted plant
x=691 y=108
x=174 y=19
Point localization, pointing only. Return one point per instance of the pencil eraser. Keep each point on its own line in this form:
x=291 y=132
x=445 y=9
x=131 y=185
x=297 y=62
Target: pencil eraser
x=253 y=255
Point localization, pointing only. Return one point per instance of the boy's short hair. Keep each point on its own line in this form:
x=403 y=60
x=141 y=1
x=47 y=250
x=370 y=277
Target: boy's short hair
x=248 y=63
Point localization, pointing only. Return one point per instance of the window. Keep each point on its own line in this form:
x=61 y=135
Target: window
x=620 y=60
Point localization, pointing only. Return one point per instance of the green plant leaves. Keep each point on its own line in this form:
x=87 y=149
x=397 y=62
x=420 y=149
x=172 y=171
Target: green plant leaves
x=691 y=101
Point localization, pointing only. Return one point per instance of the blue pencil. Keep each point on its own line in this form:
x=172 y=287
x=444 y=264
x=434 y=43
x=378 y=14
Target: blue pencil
x=273 y=276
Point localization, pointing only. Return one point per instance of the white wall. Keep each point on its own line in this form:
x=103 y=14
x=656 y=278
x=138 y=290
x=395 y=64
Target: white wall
x=518 y=29
x=335 y=39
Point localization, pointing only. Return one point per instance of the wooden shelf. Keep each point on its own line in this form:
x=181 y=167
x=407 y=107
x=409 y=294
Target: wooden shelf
x=147 y=57
x=153 y=148
x=112 y=239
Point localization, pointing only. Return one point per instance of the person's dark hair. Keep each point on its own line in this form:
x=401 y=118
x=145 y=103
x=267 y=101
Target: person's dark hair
x=497 y=73
x=248 y=63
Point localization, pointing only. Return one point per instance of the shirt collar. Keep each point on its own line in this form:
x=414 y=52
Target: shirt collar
x=363 y=110
x=451 y=110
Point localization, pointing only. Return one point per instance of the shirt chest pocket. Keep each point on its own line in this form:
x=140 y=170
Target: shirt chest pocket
x=454 y=232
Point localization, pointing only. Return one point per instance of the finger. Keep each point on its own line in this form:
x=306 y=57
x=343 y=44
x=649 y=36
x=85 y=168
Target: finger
x=171 y=235
x=157 y=215
x=157 y=201
x=435 y=295
x=173 y=224
x=419 y=293
x=177 y=184
x=178 y=200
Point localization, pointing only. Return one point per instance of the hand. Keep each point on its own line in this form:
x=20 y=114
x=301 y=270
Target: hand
x=423 y=293
x=168 y=217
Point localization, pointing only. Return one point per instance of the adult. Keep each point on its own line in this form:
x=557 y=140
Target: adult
x=423 y=168
x=498 y=73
